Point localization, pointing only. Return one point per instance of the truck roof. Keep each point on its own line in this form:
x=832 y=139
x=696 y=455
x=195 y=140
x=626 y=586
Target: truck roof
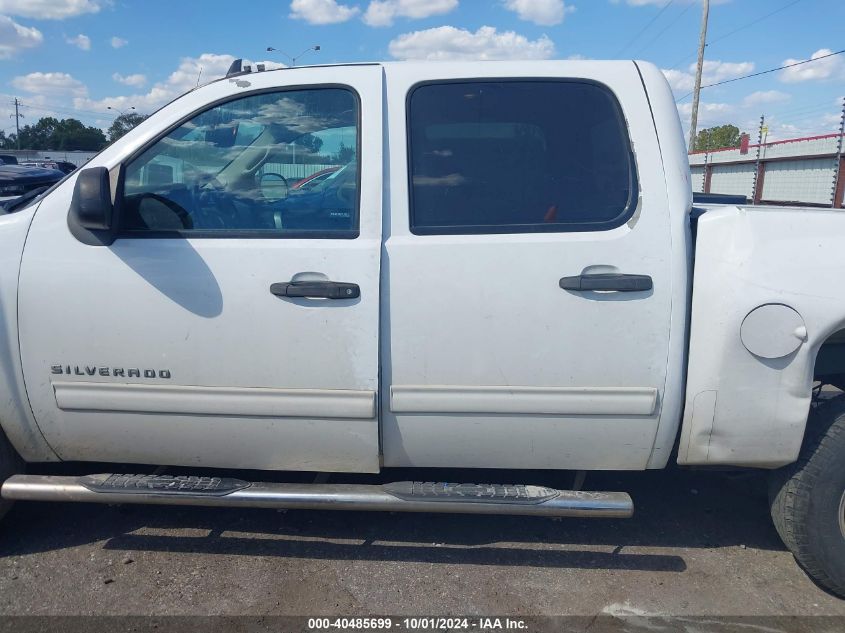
x=484 y=62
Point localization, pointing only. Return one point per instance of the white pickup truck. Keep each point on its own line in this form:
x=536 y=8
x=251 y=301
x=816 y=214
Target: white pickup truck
x=466 y=265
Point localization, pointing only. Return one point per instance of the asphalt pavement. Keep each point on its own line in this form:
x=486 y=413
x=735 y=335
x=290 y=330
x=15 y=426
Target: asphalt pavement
x=700 y=544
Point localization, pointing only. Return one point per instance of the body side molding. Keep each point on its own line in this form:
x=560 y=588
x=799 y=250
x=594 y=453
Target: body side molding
x=191 y=400
x=526 y=400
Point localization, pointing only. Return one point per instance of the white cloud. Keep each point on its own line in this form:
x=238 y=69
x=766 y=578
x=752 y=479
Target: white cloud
x=50 y=9
x=712 y=72
x=81 y=41
x=765 y=96
x=679 y=80
x=746 y=116
x=130 y=80
x=34 y=107
x=708 y=113
x=781 y=129
x=830 y=67
x=14 y=37
x=50 y=84
x=118 y=42
x=321 y=11
x=184 y=78
x=716 y=71
x=384 y=12
x=545 y=12
x=448 y=42
x=55 y=94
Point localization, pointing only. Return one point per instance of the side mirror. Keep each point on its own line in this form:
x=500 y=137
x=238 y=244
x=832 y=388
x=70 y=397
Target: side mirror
x=91 y=217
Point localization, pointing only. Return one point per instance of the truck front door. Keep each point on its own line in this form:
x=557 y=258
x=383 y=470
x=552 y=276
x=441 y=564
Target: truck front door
x=234 y=320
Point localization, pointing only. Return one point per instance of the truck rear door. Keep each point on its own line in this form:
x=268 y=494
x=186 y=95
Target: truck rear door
x=529 y=280
x=234 y=320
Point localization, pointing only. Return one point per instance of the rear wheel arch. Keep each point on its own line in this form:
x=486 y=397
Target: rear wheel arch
x=829 y=366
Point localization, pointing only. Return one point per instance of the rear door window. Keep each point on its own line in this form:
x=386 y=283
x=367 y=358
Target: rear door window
x=518 y=157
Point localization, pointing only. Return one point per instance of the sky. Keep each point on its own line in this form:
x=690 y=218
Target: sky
x=77 y=58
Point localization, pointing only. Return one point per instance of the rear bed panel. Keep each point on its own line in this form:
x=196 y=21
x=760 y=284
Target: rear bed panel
x=744 y=409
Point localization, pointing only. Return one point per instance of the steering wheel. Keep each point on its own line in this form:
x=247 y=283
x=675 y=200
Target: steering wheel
x=273 y=186
x=160 y=223
x=213 y=206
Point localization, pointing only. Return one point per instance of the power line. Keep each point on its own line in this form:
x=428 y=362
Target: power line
x=809 y=107
x=807 y=114
x=764 y=72
x=752 y=23
x=736 y=30
x=645 y=28
x=806 y=117
x=666 y=28
x=62 y=109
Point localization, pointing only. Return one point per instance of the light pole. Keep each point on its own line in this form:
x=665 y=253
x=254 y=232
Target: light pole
x=119 y=111
x=293 y=58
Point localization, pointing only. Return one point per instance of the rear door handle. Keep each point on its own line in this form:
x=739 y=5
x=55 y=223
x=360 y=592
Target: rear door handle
x=607 y=282
x=316 y=289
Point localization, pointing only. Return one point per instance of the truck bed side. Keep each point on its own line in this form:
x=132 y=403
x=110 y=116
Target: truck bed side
x=768 y=291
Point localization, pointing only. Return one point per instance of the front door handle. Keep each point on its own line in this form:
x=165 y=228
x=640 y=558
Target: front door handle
x=607 y=282
x=316 y=289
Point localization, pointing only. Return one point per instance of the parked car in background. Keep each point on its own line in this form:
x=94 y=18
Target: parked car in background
x=8 y=159
x=62 y=165
x=17 y=180
x=309 y=182
x=65 y=166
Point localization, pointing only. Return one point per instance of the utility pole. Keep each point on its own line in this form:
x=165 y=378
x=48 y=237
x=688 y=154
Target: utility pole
x=17 y=116
x=702 y=42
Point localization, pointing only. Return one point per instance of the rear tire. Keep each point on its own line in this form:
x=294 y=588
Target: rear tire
x=807 y=498
x=10 y=464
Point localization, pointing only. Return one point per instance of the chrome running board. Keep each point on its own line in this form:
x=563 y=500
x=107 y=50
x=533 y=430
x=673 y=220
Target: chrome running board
x=403 y=496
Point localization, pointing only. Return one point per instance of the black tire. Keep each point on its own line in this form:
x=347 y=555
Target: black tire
x=806 y=498
x=10 y=464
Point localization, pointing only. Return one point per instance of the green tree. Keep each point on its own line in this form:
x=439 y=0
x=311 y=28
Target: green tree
x=72 y=134
x=344 y=154
x=310 y=143
x=64 y=134
x=122 y=124
x=717 y=138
